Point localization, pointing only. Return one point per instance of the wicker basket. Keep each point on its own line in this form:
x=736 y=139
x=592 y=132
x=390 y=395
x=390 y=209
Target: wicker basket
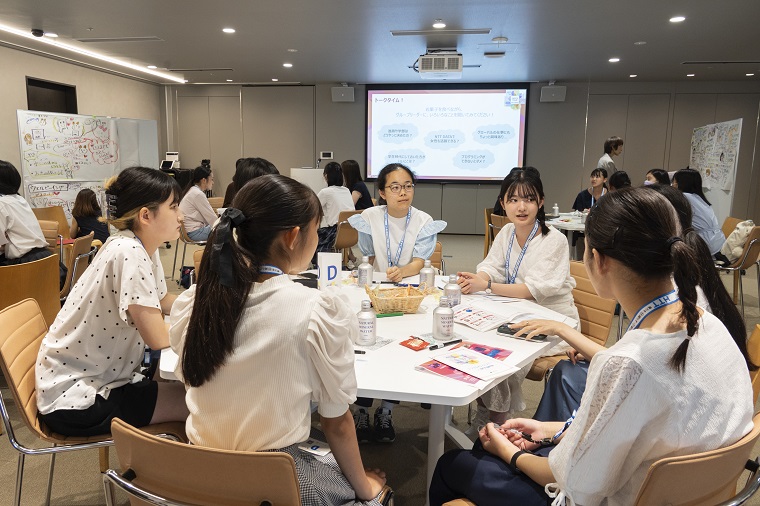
x=393 y=300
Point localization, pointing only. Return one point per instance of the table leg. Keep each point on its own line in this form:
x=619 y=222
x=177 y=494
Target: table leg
x=436 y=434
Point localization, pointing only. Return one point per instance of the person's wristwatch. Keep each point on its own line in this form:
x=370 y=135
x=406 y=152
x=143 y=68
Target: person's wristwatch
x=488 y=287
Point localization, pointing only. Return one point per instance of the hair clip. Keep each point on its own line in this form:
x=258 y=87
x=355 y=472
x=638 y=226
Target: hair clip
x=110 y=206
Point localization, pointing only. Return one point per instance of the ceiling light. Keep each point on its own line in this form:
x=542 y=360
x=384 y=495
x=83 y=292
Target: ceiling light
x=439 y=24
x=229 y=80
x=90 y=54
x=292 y=50
x=749 y=75
x=614 y=60
x=689 y=75
x=152 y=67
x=677 y=19
x=640 y=43
x=633 y=75
x=228 y=30
x=52 y=35
x=287 y=65
x=275 y=80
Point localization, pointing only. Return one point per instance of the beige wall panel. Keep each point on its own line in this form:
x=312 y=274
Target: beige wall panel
x=690 y=111
x=278 y=124
x=646 y=134
x=340 y=126
x=226 y=139
x=193 y=131
x=607 y=116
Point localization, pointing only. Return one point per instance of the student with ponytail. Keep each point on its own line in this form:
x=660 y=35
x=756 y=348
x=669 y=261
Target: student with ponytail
x=250 y=368
x=645 y=396
x=198 y=213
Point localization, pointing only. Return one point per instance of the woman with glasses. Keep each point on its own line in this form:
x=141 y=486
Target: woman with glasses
x=398 y=239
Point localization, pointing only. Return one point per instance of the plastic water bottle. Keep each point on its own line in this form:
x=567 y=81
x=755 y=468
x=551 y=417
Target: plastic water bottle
x=452 y=291
x=443 y=321
x=555 y=209
x=367 y=325
x=364 y=272
x=427 y=275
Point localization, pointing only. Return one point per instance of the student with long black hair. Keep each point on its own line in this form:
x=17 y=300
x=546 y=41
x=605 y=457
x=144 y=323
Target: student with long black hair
x=252 y=368
x=645 y=396
x=199 y=215
x=704 y=221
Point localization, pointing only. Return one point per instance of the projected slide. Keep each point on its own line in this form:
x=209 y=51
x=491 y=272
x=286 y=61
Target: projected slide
x=447 y=134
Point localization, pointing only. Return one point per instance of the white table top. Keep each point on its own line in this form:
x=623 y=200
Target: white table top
x=567 y=221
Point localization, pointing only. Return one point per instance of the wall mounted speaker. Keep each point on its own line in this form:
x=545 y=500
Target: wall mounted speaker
x=342 y=94
x=553 y=93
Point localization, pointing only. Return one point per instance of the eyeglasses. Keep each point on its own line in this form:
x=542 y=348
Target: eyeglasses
x=396 y=188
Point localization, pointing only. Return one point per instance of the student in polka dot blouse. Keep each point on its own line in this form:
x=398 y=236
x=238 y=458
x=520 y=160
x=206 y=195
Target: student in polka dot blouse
x=88 y=366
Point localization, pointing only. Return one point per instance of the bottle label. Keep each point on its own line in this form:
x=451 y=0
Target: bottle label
x=362 y=277
x=447 y=324
x=366 y=331
x=454 y=295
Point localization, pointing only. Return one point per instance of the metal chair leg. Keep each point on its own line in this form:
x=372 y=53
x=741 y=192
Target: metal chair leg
x=19 y=479
x=50 y=478
x=741 y=294
x=174 y=265
x=621 y=317
x=184 y=250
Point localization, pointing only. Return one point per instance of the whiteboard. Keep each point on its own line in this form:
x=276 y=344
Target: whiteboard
x=63 y=153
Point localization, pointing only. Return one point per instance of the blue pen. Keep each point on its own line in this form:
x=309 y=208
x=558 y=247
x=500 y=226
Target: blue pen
x=408 y=284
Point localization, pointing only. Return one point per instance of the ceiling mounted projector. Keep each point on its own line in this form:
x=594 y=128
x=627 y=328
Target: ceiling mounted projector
x=440 y=65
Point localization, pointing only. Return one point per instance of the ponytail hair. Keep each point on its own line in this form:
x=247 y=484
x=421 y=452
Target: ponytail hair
x=135 y=188
x=245 y=237
x=200 y=172
x=639 y=228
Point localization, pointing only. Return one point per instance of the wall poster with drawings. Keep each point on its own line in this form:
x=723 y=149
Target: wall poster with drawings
x=715 y=154
x=63 y=153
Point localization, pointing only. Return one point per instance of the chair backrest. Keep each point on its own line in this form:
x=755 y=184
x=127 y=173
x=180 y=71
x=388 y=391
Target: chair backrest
x=39 y=280
x=75 y=261
x=497 y=223
x=50 y=231
x=197 y=255
x=198 y=475
x=346 y=236
x=596 y=313
x=22 y=328
x=436 y=259
x=753 y=350
x=54 y=213
x=186 y=238
x=701 y=478
x=751 y=251
x=729 y=224
x=216 y=202
x=487 y=238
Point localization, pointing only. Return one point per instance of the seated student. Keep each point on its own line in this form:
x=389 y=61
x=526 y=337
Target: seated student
x=397 y=238
x=704 y=221
x=353 y=180
x=527 y=260
x=232 y=336
x=567 y=381
x=198 y=213
x=88 y=366
x=645 y=397
x=245 y=170
x=619 y=180
x=85 y=217
x=21 y=238
x=657 y=176
x=334 y=199
x=588 y=197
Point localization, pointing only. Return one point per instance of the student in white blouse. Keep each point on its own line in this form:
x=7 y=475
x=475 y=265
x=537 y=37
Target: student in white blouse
x=334 y=199
x=528 y=260
x=252 y=368
x=645 y=396
x=198 y=213
x=88 y=366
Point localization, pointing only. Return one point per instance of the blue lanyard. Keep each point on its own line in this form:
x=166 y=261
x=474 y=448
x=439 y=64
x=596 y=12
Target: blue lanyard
x=388 y=238
x=650 y=307
x=512 y=277
x=604 y=190
x=270 y=269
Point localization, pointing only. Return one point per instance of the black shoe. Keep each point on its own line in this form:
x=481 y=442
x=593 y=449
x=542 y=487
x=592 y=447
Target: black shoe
x=361 y=422
x=384 y=431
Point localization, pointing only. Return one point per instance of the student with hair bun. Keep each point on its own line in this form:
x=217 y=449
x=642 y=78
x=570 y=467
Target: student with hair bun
x=619 y=180
x=198 y=213
x=646 y=396
x=334 y=199
x=252 y=368
x=88 y=366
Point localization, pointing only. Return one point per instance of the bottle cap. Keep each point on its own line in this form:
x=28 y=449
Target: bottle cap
x=444 y=301
x=366 y=304
x=427 y=263
x=452 y=278
x=365 y=259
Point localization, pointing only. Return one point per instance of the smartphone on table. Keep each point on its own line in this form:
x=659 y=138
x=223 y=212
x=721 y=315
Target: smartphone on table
x=505 y=330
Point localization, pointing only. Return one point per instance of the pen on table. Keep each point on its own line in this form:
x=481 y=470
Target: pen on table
x=415 y=285
x=360 y=352
x=447 y=343
x=383 y=283
x=385 y=315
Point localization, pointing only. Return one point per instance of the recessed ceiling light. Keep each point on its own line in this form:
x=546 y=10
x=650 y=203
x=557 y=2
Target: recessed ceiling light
x=749 y=75
x=229 y=80
x=152 y=67
x=439 y=24
x=292 y=50
x=275 y=80
x=640 y=43
x=689 y=75
x=287 y=65
x=52 y=35
x=500 y=40
x=614 y=60
x=633 y=75
x=228 y=30
x=677 y=19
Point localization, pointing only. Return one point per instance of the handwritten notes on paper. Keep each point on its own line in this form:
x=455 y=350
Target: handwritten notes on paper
x=714 y=153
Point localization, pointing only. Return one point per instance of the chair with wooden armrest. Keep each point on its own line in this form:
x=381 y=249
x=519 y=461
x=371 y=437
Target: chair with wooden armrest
x=750 y=256
x=77 y=261
x=38 y=280
x=346 y=236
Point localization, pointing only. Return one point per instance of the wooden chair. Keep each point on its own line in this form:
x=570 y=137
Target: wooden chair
x=487 y=239
x=76 y=262
x=729 y=224
x=701 y=478
x=54 y=213
x=52 y=236
x=22 y=328
x=197 y=255
x=595 y=313
x=159 y=471
x=436 y=259
x=494 y=226
x=750 y=256
x=346 y=236
x=39 y=280
x=753 y=350
x=185 y=241
x=216 y=202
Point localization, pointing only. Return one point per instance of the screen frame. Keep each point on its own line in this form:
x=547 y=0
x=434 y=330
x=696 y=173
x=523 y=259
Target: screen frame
x=453 y=87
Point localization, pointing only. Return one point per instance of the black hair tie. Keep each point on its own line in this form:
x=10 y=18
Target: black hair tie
x=221 y=251
x=672 y=241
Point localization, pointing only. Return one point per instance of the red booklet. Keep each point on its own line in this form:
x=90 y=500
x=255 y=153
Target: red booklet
x=444 y=370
